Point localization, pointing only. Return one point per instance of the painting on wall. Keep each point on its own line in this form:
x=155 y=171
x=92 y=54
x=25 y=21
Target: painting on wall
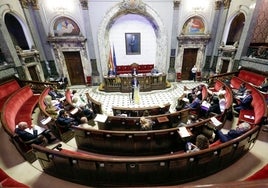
x=65 y=27
x=133 y=43
x=193 y=26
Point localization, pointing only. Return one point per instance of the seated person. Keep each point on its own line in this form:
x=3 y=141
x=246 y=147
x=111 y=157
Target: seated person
x=52 y=110
x=55 y=94
x=27 y=136
x=244 y=103
x=146 y=124
x=134 y=72
x=264 y=86
x=84 y=123
x=222 y=102
x=233 y=133
x=154 y=71
x=48 y=101
x=201 y=143
x=181 y=103
x=65 y=121
x=241 y=90
x=196 y=101
x=214 y=107
x=111 y=72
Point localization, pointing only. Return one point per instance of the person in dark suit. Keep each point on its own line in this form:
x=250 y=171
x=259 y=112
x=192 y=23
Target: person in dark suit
x=134 y=85
x=244 y=103
x=27 y=136
x=233 y=133
x=65 y=121
x=111 y=72
x=134 y=71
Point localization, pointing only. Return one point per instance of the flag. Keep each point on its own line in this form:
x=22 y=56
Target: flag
x=110 y=61
x=114 y=60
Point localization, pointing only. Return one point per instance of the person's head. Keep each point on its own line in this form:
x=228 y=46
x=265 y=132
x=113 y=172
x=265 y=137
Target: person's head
x=74 y=100
x=202 y=142
x=48 y=99
x=83 y=120
x=74 y=92
x=243 y=84
x=146 y=113
x=22 y=125
x=244 y=126
x=221 y=96
x=62 y=113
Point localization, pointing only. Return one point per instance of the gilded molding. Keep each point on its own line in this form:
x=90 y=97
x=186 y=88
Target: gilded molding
x=24 y=3
x=177 y=3
x=34 y=4
x=133 y=6
x=84 y=4
x=218 y=4
x=226 y=3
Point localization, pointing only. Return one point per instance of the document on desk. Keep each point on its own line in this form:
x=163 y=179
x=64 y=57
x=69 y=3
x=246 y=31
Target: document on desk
x=35 y=128
x=101 y=118
x=183 y=132
x=215 y=121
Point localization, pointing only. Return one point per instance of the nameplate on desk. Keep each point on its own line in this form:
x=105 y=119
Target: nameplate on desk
x=46 y=121
x=101 y=118
x=162 y=119
x=183 y=131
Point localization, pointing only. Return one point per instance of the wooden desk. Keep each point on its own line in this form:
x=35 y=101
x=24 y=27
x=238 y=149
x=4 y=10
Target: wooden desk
x=147 y=82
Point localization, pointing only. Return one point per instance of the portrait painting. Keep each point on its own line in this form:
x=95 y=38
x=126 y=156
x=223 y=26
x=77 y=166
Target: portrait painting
x=193 y=26
x=133 y=43
x=65 y=27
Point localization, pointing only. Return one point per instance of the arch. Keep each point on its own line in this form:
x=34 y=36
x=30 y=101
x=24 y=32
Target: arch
x=22 y=27
x=194 y=25
x=140 y=8
x=64 y=26
x=229 y=25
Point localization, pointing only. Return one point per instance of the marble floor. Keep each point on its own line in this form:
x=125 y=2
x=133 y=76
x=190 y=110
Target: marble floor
x=32 y=175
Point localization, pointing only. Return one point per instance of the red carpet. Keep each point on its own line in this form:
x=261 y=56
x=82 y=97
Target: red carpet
x=261 y=174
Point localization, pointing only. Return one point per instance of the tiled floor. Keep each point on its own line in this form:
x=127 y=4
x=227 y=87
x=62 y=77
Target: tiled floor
x=31 y=174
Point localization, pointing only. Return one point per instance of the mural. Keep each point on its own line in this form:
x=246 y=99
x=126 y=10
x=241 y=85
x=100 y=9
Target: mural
x=65 y=27
x=193 y=26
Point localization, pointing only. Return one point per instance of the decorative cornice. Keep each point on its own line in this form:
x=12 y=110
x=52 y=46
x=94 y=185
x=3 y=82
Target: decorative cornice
x=226 y=3
x=133 y=6
x=84 y=4
x=218 y=4
x=193 y=39
x=177 y=3
x=66 y=39
x=26 y=3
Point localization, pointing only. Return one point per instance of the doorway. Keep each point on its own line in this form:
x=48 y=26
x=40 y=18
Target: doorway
x=189 y=60
x=33 y=73
x=225 y=65
x=74 y=68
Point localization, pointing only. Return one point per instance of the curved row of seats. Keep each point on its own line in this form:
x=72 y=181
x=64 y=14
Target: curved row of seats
x=114 y=169
x=161 y=169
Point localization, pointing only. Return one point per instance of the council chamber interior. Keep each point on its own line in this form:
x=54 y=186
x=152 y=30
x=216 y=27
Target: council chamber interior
x=93 y=47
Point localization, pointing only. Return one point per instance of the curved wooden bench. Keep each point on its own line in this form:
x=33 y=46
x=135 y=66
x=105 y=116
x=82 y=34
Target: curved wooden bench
x=169 y=169
x=19 y=107
x=138 y=112
x=137 y=143
x=96 y=106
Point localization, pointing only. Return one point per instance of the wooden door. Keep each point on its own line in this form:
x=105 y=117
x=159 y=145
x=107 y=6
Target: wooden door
x=225 y=65
x=33 y=74
x=189 y=60
x=74 y=68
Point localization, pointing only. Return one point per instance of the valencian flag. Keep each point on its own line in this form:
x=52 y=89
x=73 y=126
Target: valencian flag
x=110 y=61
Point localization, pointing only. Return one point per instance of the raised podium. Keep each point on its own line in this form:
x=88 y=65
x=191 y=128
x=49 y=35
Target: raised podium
x=147 y=82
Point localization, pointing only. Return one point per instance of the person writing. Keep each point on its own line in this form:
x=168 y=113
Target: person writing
x=201 y=143
x=65 y=121
x=244 y=103
x=20 y=130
